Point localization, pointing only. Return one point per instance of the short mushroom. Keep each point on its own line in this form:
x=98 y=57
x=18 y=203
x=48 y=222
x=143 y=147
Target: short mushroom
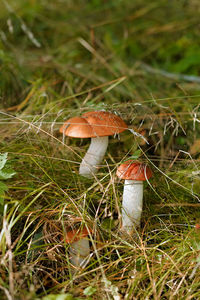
x=97 y=125
x=134 y=174
x=79 y=248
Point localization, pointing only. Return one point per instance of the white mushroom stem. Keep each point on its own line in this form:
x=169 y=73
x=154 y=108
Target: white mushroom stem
x=132 y=205
x=94 y=156
x=79 y=252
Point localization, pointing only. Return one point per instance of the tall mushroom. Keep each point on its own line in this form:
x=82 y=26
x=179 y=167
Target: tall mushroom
x=134 y=173
x=97 y=125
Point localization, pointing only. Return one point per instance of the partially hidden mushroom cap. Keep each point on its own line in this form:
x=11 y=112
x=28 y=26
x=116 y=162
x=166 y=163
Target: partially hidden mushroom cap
x=134 y=170
x=76 y=234
x=93 y=124
x=197 y=226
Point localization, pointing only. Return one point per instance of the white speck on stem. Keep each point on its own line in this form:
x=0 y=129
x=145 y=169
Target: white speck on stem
x=10 y=26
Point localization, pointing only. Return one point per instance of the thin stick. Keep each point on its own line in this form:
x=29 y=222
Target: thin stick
x=175 y=76
x=179 y=204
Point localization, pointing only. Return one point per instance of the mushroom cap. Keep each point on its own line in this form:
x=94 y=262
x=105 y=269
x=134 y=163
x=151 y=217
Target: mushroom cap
x=93 y=124
x=134 y=170
x=197 y=226
x=76 y=234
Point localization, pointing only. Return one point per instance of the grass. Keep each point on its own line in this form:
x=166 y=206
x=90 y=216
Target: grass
x=60 y=59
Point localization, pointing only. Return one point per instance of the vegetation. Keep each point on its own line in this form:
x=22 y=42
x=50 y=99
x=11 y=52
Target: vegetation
x=141 y=60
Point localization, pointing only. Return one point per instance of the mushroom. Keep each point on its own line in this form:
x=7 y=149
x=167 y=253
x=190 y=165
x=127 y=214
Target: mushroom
x=97 y=125
x=79 y=248
x=134 y=174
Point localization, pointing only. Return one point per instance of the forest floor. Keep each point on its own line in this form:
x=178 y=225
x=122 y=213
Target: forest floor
x=137 y=59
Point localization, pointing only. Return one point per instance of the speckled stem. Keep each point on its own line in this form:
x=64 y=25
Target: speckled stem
x=94 y=156
x=132 y=205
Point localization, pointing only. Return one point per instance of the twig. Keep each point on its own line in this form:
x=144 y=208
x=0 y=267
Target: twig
x=194 y=270
x=9 y=297
x=179 y=204
x=175 y=76
x=10 y=256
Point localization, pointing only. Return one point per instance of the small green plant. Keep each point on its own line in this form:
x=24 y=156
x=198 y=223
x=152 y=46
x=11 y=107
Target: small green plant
x=89 y=291
x=6 y=172
x=60 y=297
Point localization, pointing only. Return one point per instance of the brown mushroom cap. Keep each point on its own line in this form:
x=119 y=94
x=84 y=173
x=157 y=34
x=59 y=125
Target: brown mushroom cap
x=93 y=124
x=74 y=235
x=134 y=170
